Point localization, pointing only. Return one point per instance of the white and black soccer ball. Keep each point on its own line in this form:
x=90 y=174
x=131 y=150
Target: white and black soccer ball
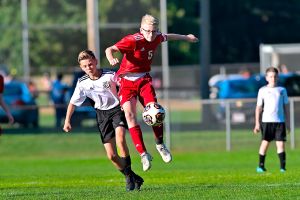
x=153 y=114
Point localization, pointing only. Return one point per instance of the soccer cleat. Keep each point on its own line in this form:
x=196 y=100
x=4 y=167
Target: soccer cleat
x=260 y=170
x=130 y=182
x=164 y=152
x=282 y=170
x=146 y=159
x=138 y=181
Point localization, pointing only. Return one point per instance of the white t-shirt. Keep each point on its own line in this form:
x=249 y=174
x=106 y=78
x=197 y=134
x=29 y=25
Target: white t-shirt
x=273 y=100
x=102 y=91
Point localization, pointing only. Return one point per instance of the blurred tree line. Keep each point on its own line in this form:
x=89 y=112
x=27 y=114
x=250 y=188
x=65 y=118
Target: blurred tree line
x=57 y=29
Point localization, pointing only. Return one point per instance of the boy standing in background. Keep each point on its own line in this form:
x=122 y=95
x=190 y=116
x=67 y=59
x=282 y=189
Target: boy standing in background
x=270 y=118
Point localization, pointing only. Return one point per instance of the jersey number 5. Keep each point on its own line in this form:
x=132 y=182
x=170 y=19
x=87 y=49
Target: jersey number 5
x=150 y=54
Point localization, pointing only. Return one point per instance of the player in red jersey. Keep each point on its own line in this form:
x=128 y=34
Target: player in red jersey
x=136 y=83
x=3 y=104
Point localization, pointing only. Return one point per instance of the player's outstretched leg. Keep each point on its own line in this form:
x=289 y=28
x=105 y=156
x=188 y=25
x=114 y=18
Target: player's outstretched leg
x=146 y=159
x=164 y=152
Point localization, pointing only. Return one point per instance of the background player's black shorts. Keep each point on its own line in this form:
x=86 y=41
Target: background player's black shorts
x=273 y=131
x=108 y=120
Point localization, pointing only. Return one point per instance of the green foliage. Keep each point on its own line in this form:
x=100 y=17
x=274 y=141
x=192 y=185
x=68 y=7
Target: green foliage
x=238 y=27
x=183 y=18
x=56 y=12
x=10 y=36
x=50 y=51
x=57 y=29
x=58 y=32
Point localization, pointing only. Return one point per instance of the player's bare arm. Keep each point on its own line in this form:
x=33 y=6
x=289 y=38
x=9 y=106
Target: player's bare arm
x=258 y=111
x=67 y=125
x=109 y=55
x=189 y=37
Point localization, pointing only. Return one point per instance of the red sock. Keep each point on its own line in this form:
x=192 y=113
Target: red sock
x=137 y=138
x=159 y=133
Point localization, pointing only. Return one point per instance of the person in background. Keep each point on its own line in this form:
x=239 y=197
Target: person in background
x=58 y=96
x=283 y=69
x=245 y=72
x=47 y=86
x=32 y=88
x=270 y=118
x=3 y=104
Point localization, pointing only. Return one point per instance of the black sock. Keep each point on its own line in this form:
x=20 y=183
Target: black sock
x=127 y=169
x=262 y=161
x=127 y=160
x=282 y=158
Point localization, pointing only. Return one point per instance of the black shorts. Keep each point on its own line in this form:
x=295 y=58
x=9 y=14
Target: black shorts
x=108 y=121
x=273 y=131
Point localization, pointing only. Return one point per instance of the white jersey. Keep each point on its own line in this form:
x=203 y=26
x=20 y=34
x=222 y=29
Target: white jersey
x=102 y=91
x=273 y=100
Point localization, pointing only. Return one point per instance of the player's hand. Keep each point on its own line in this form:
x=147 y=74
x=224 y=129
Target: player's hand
x=256 y=129
x=114 y=61
x=192 y=38
x=67 y=127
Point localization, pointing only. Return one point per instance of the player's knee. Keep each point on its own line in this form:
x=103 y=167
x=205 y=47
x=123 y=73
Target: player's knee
x=130 y=117
x=112 y=157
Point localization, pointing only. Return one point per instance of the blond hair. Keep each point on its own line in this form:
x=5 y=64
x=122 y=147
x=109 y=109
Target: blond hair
x=150 y=20
x=86 y=54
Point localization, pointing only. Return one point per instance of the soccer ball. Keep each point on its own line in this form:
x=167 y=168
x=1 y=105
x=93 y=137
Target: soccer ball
x=153 y=114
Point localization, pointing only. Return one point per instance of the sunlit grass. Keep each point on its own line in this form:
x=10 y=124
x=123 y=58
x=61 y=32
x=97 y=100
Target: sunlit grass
x=74 y=166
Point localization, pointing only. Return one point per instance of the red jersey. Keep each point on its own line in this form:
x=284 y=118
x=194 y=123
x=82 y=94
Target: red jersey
x=138 y=52
x=1 y=83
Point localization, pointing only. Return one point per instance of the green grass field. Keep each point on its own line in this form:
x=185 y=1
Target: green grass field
x=74 y=166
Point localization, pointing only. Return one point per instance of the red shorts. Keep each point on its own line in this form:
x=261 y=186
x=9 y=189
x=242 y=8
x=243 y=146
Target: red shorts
x=141 y=88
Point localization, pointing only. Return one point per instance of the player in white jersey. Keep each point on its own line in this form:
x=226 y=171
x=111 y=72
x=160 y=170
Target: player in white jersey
x=271 y=117
x=101 y=88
